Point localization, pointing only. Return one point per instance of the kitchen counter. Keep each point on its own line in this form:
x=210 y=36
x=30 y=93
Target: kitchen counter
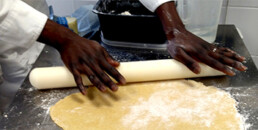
x=30 y=108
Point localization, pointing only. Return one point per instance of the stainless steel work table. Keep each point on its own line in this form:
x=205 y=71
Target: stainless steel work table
x=30 y=108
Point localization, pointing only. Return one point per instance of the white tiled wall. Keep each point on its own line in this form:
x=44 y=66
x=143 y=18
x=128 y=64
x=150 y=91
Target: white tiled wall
x=244 y=14
x=243 y=3
x=67 y=7
x=246 y=19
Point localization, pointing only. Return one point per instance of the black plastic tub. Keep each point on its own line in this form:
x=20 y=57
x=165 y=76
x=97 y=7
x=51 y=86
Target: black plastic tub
x=140 y=27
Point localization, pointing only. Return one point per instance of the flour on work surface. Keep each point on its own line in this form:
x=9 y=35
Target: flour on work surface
x=176 y=104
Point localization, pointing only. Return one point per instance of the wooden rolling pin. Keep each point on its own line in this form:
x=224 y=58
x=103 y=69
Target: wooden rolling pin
x=139 y=71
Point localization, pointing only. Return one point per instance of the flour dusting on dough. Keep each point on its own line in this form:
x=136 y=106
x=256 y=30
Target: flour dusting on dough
x=194 y=104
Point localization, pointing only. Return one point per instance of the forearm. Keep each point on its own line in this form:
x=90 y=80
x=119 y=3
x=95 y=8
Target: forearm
x=170 y=19
x=55 y=35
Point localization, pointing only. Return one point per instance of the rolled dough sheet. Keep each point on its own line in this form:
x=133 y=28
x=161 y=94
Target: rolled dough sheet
x=175 y=104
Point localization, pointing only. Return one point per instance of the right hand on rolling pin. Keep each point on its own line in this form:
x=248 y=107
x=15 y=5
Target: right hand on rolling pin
x=188 y=48
x=82 y=56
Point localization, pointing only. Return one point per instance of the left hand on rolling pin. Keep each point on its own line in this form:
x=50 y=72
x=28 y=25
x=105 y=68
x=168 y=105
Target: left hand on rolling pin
x=87 y=57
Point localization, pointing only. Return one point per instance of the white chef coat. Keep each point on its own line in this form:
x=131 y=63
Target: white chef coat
x=20 y=26
x=152 y=5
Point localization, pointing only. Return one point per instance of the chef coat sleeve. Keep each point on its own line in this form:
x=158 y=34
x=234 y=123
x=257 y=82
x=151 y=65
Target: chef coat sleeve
x=20 y=24
x=152 y=5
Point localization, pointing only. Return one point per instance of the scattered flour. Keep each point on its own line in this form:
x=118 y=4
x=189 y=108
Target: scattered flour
x=196 y=104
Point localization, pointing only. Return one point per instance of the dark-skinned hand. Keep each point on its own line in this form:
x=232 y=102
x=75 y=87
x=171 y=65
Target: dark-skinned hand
x=189 y=49
x=82 y=57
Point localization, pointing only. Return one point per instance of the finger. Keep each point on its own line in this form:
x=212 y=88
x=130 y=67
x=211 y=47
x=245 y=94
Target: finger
x=232 y=56
x=93 y=78
x=233 y=63
x=110 y=59
x=184 y=58
x=104 y=77
x=215 y=64
x=112 y=71
x=225 y=49
x=78 y=80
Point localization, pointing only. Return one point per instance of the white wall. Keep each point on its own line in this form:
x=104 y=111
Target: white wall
x=67 y=7
x=244 y=14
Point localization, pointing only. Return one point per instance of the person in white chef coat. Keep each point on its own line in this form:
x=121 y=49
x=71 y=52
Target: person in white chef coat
x=21 y=26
